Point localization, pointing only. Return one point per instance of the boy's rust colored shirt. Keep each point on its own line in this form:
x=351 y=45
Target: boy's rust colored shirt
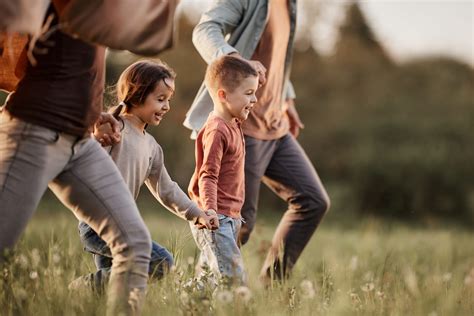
x=218 y=180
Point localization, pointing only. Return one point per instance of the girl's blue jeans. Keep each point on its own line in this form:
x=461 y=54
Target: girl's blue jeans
x=160 y=263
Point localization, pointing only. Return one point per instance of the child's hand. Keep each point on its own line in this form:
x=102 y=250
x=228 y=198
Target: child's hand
x=106 y=130
x=208 y=219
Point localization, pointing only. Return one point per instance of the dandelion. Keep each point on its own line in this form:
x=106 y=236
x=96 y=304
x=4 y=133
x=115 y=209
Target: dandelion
x=354 y=298
x=411 y=281
x=380 y=294
x=184 y=298
x=33 y=275
x=469 y=279
x=307 y=289
x=190 y=261
x=134 y=296
x=354 y=263
x=368 y=287
x=243 y=293
x=368 y=276
x=22 y=260
x=224 y=297
x=56 y=258
x=447 y=277
x=35 y=257
x=58 y=272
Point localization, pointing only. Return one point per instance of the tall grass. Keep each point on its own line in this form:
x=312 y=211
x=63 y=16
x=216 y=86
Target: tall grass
x=369 y=268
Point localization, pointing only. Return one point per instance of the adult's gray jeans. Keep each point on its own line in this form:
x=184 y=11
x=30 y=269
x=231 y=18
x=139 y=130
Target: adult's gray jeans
x=83 y=176
x=284 y=167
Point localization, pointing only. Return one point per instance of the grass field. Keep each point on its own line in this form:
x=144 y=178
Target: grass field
x=366 y=267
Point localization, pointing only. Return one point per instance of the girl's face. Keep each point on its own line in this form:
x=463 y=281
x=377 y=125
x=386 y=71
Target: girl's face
x=156 y=104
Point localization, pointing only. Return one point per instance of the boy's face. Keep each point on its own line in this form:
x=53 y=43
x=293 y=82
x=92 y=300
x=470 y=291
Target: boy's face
x=240 y=101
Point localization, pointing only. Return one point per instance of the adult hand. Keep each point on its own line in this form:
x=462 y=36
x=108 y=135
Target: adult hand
x=295 y=121
x=107 y=130
x=208 y=219
x=258 y=66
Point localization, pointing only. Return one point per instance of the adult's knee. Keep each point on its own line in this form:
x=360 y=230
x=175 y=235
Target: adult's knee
x=141 y=244
x=135 y=248
x=310 y=204
x=324 y=204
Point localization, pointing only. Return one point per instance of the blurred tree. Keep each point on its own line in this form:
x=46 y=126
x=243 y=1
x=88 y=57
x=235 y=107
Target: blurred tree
x=395 y=139
x=357 y=43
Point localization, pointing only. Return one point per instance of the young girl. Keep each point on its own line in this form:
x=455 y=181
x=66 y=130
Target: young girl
x=144 y=90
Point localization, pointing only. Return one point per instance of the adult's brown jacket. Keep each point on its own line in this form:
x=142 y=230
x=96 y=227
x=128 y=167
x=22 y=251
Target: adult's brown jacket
x=143 y=27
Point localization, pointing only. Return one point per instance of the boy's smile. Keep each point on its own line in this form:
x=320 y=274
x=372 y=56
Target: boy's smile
x=239 y=102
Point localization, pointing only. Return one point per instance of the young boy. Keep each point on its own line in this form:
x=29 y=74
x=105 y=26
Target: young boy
x=218 y=180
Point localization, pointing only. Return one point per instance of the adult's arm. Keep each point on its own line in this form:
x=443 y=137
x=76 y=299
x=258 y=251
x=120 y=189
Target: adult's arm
x=221 y=18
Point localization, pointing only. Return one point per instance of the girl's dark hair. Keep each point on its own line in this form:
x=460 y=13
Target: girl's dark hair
x=138 y=81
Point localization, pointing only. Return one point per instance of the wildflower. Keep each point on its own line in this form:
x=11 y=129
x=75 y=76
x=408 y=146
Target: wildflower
x=35 y=257
x=411 y=281
x=369 y=276
x=469 y=279
x=447 y=277
x=190 y=261
x=58 y=271
x=243 y=293
x=368 y=287
x=22 y=260
x=354 y=298
x=354 y=263
x=380 y=294
x=33 y=275
x=56 y=258
x=224 y=296
x=307 y=289
x=184 y=298
x=135 y=296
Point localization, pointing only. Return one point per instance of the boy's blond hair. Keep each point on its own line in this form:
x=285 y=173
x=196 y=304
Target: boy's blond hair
x=227 y=72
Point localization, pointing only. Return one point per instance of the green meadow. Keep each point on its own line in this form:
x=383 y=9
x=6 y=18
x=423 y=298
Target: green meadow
x=350 y=267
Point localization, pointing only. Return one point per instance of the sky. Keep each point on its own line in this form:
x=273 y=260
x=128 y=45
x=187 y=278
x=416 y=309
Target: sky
x=406 y=28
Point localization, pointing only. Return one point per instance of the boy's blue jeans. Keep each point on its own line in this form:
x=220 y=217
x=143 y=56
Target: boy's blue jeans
x=160 y=263
x=220 y=252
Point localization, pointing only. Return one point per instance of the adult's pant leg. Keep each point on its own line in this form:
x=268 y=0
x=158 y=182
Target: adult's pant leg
x=93 y=188
x=258 y=154
x=292 y=176
x=30 y=156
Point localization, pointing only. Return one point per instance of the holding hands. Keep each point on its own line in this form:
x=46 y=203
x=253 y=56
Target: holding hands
x=208 y=219
x=107 y=130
